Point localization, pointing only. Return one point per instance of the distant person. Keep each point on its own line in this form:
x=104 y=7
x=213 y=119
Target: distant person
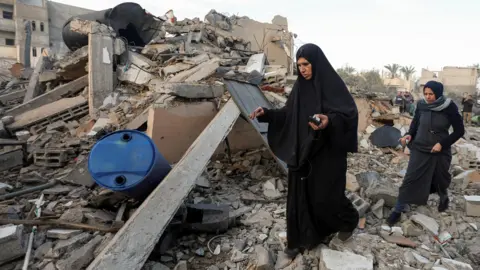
x=316 y=154
x=467 y=103
x=430 y=147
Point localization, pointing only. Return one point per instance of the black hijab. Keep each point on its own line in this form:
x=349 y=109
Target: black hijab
x=325 y=93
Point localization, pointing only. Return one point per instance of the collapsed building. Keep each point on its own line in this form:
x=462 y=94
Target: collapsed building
x=134 y=151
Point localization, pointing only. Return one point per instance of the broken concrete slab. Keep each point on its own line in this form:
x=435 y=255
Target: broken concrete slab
x=51 y=96
x=182 y=76
x=264 y=258
x=187 y=90
x=81 y=257
x=11 y=159
x=64 y=246
x=462 y=180
x=173 y=69
x=73 y=66
x=336 y=260
x=426 y=222
x=206 y=71
x=62 y=234
x=134 y=75
x=48 y=75
x=34 y=88
x=69 y=108
x=197 y=59
x=12 y=242
x=455 y=265
x=155 y=49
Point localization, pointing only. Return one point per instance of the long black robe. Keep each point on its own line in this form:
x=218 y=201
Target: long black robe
x=428 y=172
x=317 y=160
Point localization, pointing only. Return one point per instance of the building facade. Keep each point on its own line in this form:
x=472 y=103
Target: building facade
x=46 y=19
x=456 y=80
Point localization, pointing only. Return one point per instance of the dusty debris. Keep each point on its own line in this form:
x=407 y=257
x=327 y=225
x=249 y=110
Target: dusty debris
x=72 y=103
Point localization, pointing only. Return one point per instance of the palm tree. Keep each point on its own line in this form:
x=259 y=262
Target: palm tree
x=393 y=68
x=407 y=71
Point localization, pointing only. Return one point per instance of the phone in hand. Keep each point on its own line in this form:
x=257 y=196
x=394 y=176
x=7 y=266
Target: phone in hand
x=315 y=120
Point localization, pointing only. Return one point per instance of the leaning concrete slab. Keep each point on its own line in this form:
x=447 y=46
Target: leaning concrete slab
x=12 y=97
x=51 y=96
x=33 y=89
x=248 y=97
x=132 y=245
x=39 y=118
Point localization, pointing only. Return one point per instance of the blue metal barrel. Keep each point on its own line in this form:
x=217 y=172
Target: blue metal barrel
x=127 y=161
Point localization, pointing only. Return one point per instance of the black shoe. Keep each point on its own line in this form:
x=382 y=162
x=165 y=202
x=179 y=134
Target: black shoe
x=291 y=253
x=393 y=218
x=443 y=204
x=345 y=236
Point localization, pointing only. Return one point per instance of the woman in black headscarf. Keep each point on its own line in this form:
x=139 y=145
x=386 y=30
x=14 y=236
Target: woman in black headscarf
x=316 y=154
x=430 y=150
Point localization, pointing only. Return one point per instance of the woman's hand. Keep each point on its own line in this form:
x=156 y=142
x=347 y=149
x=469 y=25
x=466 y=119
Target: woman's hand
x=258 y=112
x=437 y=148
x=405 y=139
x=324 y=122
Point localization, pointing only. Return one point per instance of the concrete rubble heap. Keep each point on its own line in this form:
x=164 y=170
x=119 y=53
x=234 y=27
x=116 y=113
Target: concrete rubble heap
x=176 y=83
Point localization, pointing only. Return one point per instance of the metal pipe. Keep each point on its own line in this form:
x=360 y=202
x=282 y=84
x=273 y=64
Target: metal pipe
x=28 y=190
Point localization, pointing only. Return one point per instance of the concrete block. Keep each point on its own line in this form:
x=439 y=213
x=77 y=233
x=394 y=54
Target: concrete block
x=182 y=76
x=336 y=260
x=360 y=204
x=472 y=206
x=12 y=243
x=154 y=49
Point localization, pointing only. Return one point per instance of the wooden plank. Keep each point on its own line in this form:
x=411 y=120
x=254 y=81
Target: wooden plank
x=132 y=245
x=51 y=96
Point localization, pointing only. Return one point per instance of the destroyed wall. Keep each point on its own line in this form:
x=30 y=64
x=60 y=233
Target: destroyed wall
x=59 y=14
x=271 y=38
x=38 y=15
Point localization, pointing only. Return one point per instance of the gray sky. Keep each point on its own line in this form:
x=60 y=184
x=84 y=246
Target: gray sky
x=362 y=33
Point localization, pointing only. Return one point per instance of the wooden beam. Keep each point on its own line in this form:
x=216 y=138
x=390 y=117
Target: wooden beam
x=132 y=245
x=51 y=96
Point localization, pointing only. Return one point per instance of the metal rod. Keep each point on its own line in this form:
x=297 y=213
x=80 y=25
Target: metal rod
x=28 y=190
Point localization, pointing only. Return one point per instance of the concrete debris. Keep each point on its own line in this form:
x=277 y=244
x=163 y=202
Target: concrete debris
x=171 y=89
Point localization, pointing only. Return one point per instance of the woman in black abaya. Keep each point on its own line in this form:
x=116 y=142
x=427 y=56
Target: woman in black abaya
x=316 y=156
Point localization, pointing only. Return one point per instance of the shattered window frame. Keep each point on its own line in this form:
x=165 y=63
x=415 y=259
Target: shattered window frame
x=34 y=52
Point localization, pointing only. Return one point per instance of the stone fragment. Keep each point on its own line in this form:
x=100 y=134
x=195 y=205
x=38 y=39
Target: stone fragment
x=12 y=242
x=80 y=258
x=336 y=260
x=426 y=222
x=264 y=258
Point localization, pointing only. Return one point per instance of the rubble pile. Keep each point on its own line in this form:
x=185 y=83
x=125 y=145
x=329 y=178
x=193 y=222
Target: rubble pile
x=53 y=214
